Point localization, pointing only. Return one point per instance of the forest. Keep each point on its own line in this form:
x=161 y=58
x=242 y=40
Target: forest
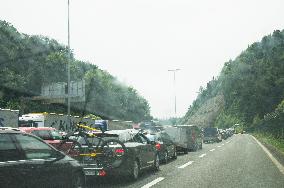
x=28 y=62
x=252 y=87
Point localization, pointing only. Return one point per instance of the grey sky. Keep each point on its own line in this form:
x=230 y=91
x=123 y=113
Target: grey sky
x=139 y=40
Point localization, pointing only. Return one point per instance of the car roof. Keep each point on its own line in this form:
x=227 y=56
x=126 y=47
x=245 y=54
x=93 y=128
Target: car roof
x=29 y=129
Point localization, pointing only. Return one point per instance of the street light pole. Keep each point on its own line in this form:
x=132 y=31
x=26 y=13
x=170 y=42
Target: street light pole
x=68 y=72
x=174 y=71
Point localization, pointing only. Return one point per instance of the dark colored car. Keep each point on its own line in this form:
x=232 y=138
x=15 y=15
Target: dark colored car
x=27 y=161
x=211 y=134
x=140 y=154
x=164 y=144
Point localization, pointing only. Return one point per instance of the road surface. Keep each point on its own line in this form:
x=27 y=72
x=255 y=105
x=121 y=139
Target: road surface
x=238 y=161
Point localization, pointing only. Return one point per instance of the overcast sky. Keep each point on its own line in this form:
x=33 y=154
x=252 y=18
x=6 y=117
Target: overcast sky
x=139 y=40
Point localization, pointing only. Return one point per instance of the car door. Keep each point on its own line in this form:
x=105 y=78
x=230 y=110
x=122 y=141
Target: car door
x=168 y=143
x=12 y=165
x=150 y=150
x=47 y=168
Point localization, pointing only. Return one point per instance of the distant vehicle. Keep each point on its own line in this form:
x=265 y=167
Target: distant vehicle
x=48 y=134
x=141 y=154
x=224 y=134
x=164 y=144
x=211 y=134
x=186 y=137
x=58 y=121
x=27 y=161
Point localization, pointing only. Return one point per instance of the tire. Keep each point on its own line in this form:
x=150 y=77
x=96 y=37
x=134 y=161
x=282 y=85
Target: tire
x=166 y=159
x=135 y=170
x=111 y=157
x=175 y=154
x=195 y=147
x=156 y=163
x=79 y=181
x=200 y=146
x=185 y=151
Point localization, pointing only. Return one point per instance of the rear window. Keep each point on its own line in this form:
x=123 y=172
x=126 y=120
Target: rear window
x=210 y=131
x=48 y=134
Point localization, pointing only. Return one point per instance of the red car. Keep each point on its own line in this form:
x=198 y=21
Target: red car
x=48 y=134
x=54 y=137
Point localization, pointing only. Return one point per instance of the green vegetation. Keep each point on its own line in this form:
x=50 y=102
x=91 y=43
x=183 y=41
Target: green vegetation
x=28 y=62
x=252 y=90
x=270 y=139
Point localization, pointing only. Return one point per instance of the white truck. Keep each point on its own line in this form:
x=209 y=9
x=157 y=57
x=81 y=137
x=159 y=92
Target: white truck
x=59 y=121
x=9 y=118
x=186 y=137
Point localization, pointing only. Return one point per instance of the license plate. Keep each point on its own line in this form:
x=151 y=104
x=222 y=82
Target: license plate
x=90 y=172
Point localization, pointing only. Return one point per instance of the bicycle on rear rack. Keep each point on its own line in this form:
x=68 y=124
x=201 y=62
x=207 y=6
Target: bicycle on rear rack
x=86 y=143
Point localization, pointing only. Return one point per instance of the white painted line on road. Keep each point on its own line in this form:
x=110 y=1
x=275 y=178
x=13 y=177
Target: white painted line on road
x=203 y=155
x=212 y=150
x=223 y=144
x=186 y=164
x=219 y=146
x=278 y=165
x=228 y=142
x=153 y=182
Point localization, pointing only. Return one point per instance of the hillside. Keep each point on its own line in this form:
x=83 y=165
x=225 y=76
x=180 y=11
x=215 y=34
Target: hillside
x=29 y=62
x=252 y=86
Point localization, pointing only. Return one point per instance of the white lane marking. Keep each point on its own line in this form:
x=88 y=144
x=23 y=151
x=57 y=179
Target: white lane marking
x=223 y=144
x=203 y=155
x=186 y=164
x=219 y=146
x=212 y=150
x=228 y=142
x=278 y=165
x=153 y=182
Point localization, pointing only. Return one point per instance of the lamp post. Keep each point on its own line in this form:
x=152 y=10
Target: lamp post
x=68 y=72
x=174 y=71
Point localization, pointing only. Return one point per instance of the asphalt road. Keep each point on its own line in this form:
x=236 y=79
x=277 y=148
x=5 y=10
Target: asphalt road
x=238 y=161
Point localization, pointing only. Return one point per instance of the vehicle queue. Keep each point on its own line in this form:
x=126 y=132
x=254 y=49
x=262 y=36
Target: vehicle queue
x=145 y=147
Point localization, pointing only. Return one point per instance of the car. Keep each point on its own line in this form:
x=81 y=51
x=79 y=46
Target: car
x=49 y=134
x=140 y=154
x=28 y=161
x=211 y=134
x=186 y=137
x=164 y=144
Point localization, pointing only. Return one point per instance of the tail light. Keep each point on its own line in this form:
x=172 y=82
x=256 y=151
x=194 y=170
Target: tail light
x=102 y=173
x=119 y=151
x=158 y=146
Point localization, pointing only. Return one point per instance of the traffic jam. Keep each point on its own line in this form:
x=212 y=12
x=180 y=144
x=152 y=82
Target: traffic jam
x=36 y=153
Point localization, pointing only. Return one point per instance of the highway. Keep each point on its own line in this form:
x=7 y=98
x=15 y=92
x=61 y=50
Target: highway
x=238 y=161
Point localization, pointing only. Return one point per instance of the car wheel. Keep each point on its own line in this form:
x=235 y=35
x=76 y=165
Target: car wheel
x=185 y=151
x=135 y=171
x=157 y=163
x=200 y=146
x=79 y=181
x=195 y=147
x=166 y=157
x=175 y=154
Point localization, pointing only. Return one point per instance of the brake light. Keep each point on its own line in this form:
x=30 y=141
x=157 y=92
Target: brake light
x=158 y=146
x=119 y=151
x=102 y=173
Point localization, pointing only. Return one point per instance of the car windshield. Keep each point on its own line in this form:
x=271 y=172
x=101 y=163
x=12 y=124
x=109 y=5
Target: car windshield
x=193 y=88
x=48 y=134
